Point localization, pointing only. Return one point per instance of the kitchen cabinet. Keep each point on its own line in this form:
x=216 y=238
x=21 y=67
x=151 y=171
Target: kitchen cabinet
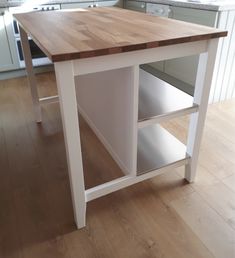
x=109 y=3
x=92 y=4
x=76 y=5
x=158 y=9
x=8 y=58
x=181 y=71
x=185 y=68
x=135 y=6
x=163 y=11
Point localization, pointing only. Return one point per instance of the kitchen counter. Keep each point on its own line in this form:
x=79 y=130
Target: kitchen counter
x=12 y=3
x=97 y=53
x=219 y=5
x=204 y=5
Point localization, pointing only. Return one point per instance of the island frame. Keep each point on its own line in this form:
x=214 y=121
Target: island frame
x=65 y=76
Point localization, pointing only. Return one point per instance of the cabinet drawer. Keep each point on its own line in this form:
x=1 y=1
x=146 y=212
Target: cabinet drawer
x=135 y=6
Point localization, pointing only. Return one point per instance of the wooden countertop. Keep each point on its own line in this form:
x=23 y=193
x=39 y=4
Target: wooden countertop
x=81 y=33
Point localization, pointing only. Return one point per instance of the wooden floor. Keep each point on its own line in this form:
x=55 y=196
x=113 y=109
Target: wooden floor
x=162 y=217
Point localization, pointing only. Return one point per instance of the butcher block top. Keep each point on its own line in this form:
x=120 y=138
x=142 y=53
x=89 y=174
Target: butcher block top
x=81 y=33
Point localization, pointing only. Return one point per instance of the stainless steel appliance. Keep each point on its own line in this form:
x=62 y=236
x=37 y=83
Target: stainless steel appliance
x=38 y=57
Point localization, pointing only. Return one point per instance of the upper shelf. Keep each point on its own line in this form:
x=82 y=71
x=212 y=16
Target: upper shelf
x=158 y=100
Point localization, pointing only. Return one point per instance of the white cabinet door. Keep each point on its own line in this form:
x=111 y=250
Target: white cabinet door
x=5 y=53
x=185 y=68
x=8 y=54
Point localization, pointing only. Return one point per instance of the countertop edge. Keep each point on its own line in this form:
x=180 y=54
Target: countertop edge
x=124 y=49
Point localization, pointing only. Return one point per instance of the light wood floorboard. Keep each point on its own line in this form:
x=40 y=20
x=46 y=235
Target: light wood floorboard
x=162 y=217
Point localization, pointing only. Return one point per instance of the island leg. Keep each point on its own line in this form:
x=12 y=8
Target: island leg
x=68 y=106
x=30 y=74
x=201 y=96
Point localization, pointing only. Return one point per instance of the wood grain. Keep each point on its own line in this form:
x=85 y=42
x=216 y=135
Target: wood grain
x=161 y=217
x=207 y=224
x=81 y=33
x=230 y=182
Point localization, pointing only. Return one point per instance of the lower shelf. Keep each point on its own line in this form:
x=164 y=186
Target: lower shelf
x=158 y=152
x=158 y=148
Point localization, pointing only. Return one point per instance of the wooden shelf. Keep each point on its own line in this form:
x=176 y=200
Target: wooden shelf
x=159 y=101
x=158 y=148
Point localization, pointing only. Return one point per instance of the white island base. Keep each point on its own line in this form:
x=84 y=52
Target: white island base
x=124 y=106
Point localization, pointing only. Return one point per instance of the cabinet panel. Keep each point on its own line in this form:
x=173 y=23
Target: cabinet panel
x=76 y=5
x=5 y=53
x=163 y=11
x=109 y=3
x=197 y=16
x=185 y=68
x=135 y=6
x=158 y=65
x=91 y=4
x=8 y=54
x=157 y=9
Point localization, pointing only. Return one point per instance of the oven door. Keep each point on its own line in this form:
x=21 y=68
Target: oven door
x=38 y=57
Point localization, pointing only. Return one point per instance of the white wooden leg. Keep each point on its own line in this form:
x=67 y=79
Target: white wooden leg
x=30 y=73
x=68 y=105
x=201 y=95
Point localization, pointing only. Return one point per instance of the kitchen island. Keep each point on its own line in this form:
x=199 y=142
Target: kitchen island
x=97 y=53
